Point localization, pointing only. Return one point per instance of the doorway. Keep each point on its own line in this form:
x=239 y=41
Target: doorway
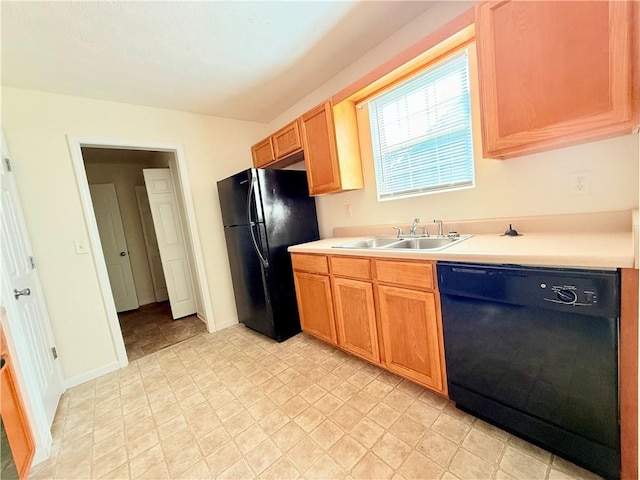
x=149 y=319
x=122 y=164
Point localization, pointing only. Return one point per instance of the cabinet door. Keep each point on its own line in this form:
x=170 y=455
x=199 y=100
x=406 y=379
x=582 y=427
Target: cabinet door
x=321 y=160
x=315 y=305
x=356 y=318
x=262 y=153
x=553 y=74
x=410 y=334
x=15 y=421
x=287 y=140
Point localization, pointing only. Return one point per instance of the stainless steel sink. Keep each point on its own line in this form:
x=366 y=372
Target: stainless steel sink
x=376 y=242
x=418 y=243
x=428 y=243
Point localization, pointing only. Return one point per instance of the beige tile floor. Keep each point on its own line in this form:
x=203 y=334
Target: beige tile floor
x=235 y=404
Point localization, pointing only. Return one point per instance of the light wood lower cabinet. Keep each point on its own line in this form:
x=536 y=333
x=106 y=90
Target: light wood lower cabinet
x=356 y=318
x=411 y=334
x=385 y=311
x=315 y=305
x=14 y=416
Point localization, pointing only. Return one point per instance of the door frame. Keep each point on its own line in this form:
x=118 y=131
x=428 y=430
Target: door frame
x=178 y=168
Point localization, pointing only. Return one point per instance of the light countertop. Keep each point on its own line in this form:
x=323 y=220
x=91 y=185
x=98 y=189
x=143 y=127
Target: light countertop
x=582 y=250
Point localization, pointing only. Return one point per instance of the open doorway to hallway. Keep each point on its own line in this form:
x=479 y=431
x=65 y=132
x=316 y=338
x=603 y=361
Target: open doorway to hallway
x=153 y=285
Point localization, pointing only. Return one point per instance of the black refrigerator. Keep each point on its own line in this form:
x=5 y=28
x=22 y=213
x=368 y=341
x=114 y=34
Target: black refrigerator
x=264 y=212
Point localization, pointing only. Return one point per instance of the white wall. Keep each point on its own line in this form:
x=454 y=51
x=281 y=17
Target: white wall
x=537 y=184
x=533 y=185
x=36 y=125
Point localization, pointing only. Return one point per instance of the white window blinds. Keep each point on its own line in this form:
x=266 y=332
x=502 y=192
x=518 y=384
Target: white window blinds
x=421 y=132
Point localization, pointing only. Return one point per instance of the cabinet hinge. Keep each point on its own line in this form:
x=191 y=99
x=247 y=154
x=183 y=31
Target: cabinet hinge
x=33 y=263
x=54 y=352
x=8 y=164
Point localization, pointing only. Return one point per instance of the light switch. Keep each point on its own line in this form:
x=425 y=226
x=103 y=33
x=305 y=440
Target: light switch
x=80 y=246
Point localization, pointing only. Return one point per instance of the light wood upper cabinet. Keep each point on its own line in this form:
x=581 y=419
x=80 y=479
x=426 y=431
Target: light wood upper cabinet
x=287 y=140
x=276 y=147
x=274 y=150
x=262 y=153
x=553 y=74
x=331 y=148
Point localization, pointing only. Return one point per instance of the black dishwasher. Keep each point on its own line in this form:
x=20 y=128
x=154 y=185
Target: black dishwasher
x=535 y=351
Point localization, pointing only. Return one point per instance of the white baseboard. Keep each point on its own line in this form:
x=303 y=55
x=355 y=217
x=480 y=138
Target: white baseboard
x=88 y=376
x=229 y=323
x=43 y=452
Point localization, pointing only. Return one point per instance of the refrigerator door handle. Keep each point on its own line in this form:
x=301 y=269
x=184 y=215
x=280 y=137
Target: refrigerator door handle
x=252 y=224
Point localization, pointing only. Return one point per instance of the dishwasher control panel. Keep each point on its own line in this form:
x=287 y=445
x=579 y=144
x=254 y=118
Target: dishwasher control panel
x=570 y=290
x=569 y=295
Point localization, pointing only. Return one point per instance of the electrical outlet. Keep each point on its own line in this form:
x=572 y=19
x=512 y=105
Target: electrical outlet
x=580 y=183
x=347 y=211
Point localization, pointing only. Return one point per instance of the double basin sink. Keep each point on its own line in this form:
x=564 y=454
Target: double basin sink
x=411 y=243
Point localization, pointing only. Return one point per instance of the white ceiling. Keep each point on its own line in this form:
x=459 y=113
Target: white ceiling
x=234 y=59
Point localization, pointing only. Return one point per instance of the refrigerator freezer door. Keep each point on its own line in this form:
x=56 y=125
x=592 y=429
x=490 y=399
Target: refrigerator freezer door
x=249 y=278
x=289 y=211
x=234 y=199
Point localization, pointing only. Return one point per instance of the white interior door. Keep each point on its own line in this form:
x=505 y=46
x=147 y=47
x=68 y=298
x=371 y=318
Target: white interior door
x=28 y=326
x=151 y=242
x=171 y=240
x=114 y=246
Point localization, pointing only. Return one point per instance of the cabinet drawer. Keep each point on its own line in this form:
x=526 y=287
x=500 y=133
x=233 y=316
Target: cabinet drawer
x=310 y=263
x=412 y=274
x=351 y=267
x=287 y=140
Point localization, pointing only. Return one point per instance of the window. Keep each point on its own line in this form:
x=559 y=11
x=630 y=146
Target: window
x=421 y=132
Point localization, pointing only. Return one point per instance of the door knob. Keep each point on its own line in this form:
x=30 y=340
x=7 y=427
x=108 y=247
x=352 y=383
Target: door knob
x=24 y=291
x=122 y=254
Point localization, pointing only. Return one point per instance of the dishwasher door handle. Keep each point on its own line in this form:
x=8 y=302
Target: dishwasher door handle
x=468 y=270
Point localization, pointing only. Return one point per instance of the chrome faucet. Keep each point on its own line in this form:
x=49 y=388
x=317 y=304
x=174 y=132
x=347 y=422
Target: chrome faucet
x=412 y=232
x=440 y=230
x=399 y=230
